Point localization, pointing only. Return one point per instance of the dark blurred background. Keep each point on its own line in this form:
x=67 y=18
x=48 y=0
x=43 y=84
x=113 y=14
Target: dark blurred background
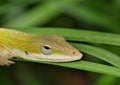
x=97 y=15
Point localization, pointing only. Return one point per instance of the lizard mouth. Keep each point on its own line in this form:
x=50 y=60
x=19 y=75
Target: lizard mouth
x=52 y=58
x=48 y=58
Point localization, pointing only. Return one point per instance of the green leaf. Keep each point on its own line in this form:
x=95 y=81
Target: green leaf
x=84 y=65
x=106 y=80
x=99 y=53
x=38 y=15
x=81 y=12
x=41 y=14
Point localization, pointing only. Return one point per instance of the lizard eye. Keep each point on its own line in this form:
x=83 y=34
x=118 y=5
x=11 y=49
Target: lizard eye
x=46 y=49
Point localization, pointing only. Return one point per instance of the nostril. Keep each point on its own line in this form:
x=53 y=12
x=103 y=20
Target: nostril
x=73 y=52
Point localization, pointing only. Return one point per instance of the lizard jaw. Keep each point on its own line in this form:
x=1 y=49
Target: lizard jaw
x=52 y=58
x=48 y=58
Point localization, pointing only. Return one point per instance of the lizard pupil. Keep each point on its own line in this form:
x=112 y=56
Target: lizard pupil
x=47 y=47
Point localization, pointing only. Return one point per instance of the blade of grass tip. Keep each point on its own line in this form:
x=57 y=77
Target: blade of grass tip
x=78 y=35
x=84 y=65
x=106 y=80
x=99 y=53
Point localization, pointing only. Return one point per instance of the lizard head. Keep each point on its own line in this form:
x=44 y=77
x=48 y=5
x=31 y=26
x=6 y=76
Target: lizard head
x=54 y=48
x=51 y=48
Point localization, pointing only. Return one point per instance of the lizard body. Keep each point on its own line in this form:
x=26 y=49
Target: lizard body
x=51 y=48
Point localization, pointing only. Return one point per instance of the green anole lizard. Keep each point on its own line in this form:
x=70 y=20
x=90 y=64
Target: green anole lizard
x=51 y=48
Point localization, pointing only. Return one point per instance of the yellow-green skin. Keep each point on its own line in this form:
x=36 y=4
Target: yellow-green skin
x=22 y=42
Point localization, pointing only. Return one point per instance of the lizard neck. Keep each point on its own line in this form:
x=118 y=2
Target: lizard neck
x=13 y=39
x=19 y=40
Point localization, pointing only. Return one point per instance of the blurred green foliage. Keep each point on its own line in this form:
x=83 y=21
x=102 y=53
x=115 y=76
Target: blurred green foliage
x=98 y=15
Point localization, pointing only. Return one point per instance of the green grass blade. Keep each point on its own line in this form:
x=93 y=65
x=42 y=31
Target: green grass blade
x=94 y=17
x=78 y=35
x=5 y=8
x=106 y=80
x=38 y=15
x=85 y=65
x=99 y=53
